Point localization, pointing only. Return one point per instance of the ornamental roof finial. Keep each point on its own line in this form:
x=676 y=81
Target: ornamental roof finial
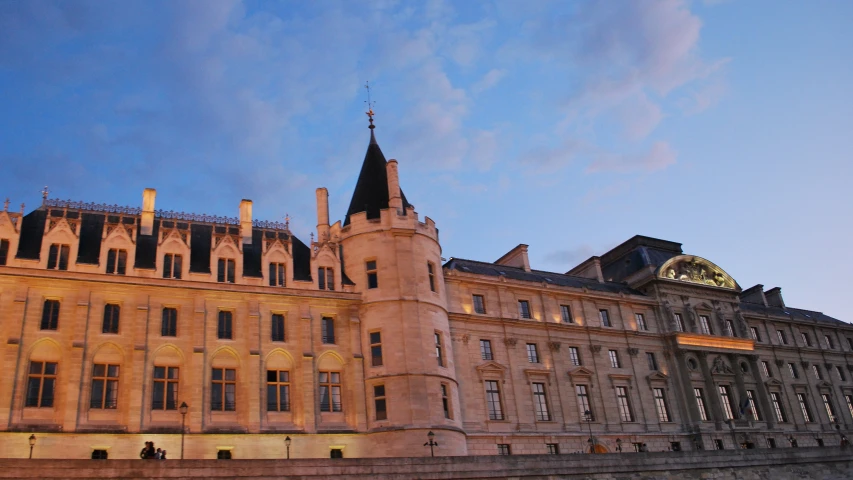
x=370 y=104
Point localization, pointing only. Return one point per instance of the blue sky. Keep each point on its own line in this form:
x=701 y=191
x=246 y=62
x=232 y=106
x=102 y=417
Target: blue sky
x=568 y=126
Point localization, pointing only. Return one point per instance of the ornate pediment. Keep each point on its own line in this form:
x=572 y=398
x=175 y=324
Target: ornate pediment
x=491 y=370
x=823 y=384
x=657 y=378
x=773 y=382
x=693 y=269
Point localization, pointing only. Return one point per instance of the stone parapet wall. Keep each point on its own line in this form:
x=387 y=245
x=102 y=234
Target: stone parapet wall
x=779 y=464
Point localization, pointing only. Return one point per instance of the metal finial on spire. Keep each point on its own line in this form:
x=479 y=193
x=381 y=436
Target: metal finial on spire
x=6 y=205
x=44 y=194
x=370 y=104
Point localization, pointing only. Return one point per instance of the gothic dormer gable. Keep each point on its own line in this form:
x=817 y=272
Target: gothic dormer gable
x=225 y=246
x=60 y=226
x=175 y=236
x=8 y=224
x=117 y=235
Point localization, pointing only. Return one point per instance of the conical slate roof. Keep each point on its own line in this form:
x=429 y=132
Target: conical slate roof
x=371 y=190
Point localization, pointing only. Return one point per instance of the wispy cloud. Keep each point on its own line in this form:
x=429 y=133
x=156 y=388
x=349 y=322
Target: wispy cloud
x=658 y=157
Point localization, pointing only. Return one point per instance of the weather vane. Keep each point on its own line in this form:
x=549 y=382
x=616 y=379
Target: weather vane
x=369 y=104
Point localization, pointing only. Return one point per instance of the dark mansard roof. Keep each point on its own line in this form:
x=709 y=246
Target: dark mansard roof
x=371 y=190
x=796 y=314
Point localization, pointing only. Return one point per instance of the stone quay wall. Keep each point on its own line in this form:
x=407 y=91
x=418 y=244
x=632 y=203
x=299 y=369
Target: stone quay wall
x=779 y=464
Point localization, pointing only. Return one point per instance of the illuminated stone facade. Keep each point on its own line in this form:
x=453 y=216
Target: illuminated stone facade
x=360 y=342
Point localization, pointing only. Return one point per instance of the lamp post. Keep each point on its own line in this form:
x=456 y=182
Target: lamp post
x=287 y=444
x=183 y=409
x=619 y=445
x=588 y=416
x=32 y=444
x=431 y=443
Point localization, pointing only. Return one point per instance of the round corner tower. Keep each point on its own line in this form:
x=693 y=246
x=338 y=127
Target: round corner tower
x=394 y=261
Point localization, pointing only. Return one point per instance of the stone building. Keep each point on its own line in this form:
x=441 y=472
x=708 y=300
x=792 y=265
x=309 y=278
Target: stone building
x=360 y=342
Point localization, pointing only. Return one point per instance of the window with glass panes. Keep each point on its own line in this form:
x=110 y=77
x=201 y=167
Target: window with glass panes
x=479 y=304
x=660 y=405
x=552 y=448
x=379 y=402
x=827 y=404
x=804 y=407
x=223 y=390
x=50 y=315
x=730 y=328
x=641 y=321
x=431 y=274
x=169 y=322
x=540 y=402
x=4 y=251
x=277 y=327
x=583 y=403
x=276 y=275
x=653 y=363
x=372 y=274
x=614 y=358
x=604 y=315
x=624 y=403
x=704 y=324
x=792 y=369
x=700 y=403
x=225 y=270
x=57 y=257
x=327 y=330
x=532 y=353
x=493 y=400
x=829 y=343
x=726 y=402
x=41 y=384
x=783 y=339
x=753 y=332
x=807 y=341
x=503 y=449
x=753 y=407
x=445 y=401
x=376 y=349
x=165 y=391
x=330 y=392
x=817 y=374
x=841 y=375
x=766 y=368
x=172 y=264
x=523 y=309
x=439 y=350
x=104 y=386
x=325 y=278
x=849 y=400
x=111 y=317
x=776 y=400
x=575 y=356
x=486 y=350
x=224 y=325
x=116 y=261
x=566 y=314
x=679 y=323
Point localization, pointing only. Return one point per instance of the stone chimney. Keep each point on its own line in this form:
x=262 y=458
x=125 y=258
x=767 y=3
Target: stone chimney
x=774 y=297
x=517 y=257
x=322 y=215
x=148 y=196
x=246 y=221
x=395 y=201
x=591 y=268
x=754 y=294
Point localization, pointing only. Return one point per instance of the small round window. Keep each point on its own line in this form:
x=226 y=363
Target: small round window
x=744 y=367
x=691 y=364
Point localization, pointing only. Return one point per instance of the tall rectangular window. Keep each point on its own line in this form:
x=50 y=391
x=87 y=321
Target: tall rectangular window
x=540 y=403
x=439 y=354
x=840 y=373
x=753 y=332
x=327 y=327
x=169 y=323
x=326 y=278
x=4 y=251
x=753 y=407
x=277 y=327
x=112 y=313
x=624 y=403
x=660 y=405
x=523 y=309
x=827 y=404
x=679 y=323
x=532 y=353
x=766 y=368
x=493 y=400
x=793 y=370
x=50 y=315
x=276 y=274
x=704 y=325
x=172 y=265
x=330 y=392
x=700 y=403
x=726 y=402
x=586 y=413
x=225 y=270
x=776 y=400
x=372 y=274
x=641 y=321
x=223 y=390
x=278 y=391
x=104 y=386
x=604 y=315
x=783 y=339
x=804 y=406
x=614 y=359
x=224 y=325
x=850 y=343
x=730 y=328
x=445 y=402
x=57 y=257
x=653 y=363
x=479 y=304
x=486 y=350
x=566 y=314
x=41 y=383
x=376 y=349
x=829 y=343
x=165 y=391
x=807 y=341
x=116 y=261
x=849 y=400
x=817 y=374
x=575 y=356
x=379 y=402
x=431 y=274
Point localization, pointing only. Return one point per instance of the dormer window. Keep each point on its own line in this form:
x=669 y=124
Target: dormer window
x=276 y=272
x=326 y=278
x=116 y=261
x=225 y=270
x=57 y=257
x=4 y=251
x=172 y=265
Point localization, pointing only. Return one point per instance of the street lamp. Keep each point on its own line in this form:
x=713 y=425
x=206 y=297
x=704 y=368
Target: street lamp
x=619 y=445
x=287 y=444
x=183 y=409
x=588 y=416
x=32 y=444
x=431 y=443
